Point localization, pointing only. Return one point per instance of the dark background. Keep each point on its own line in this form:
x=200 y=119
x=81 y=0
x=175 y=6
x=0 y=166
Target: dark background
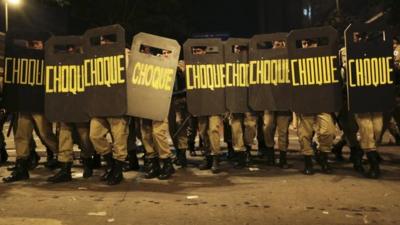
x=181 y=19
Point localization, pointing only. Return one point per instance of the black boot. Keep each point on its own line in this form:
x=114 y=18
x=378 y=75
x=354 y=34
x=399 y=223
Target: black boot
x=181 y=159
x=353 y=153
x=52 y=161
x=317 y=152
x=64 y=175
x=133 y=162
x=270 y=156
x=337 y=150
x=374 y=170
x=283 y=160
x=207 y=163
x=215 y=164
x=109 y=165
x=397 y=138
x=191 y=148
x=50 y=154
x=96 y=161
x=248 y=159
x=33 y=159
x=262 y=149
x=240 y=160
x=116 y=176
x=357 y=159
x=308 y=165
x=325 y=167
x=19 y=173
x=167 y=169
x=153 y=168
x=87 y=167
x=176 y=158
x=3 y=155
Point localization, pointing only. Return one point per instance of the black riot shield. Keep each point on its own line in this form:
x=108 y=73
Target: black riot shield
x=205 y=76
x=152 y=67
x=236 y=75
x=369 y=67
x=66 y=98
x=315 y=77
x=105 y=73
x=24 y=71
x=269 y=82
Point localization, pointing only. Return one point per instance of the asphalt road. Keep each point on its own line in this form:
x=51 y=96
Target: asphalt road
x=257 y=195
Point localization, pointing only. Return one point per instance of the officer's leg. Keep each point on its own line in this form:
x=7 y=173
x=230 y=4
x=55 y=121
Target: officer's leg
x=250 y=133
x=394 y=130
x=87 y=149
x=305 y=134
x=214 y=134
x=160 y=137
x=337 y=148
x=228 y=135
x=173 y=125
x=377 y=122
x=203 y=123
x=269 y=134
x=237 y=140
x=133 y=162
x=283 y=120
x=350 y=129
x=326 y=134
x=51 y=158
x=99 y=129
x=152 y=169
x=180 y=119
x=386 y=120
x=262 y=148
x=192 y=133
x=23 y=135
x=65 y=154
x=368 y=142
x=183 y=138
x=119 y=131
x=44 y=129
x=45 y=132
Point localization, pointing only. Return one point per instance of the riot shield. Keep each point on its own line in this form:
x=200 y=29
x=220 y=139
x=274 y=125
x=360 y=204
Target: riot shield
x=2 y=53
x=24 y=71
x=105 y=73
x=316 y=82
x=151 y=75
x=370 y=77
x=205 y=76
x=236 y=69
x=66 y=97
x=269 y=82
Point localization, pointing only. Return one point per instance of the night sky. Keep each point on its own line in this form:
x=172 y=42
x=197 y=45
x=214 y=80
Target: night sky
x=237 y=18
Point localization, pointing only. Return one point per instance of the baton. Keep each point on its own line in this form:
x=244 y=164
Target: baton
x=181 y=127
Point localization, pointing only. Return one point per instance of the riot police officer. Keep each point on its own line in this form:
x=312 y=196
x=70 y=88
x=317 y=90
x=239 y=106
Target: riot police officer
x=320 y=124
x=155 y=141
x=114 y=154
x=23 y=134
